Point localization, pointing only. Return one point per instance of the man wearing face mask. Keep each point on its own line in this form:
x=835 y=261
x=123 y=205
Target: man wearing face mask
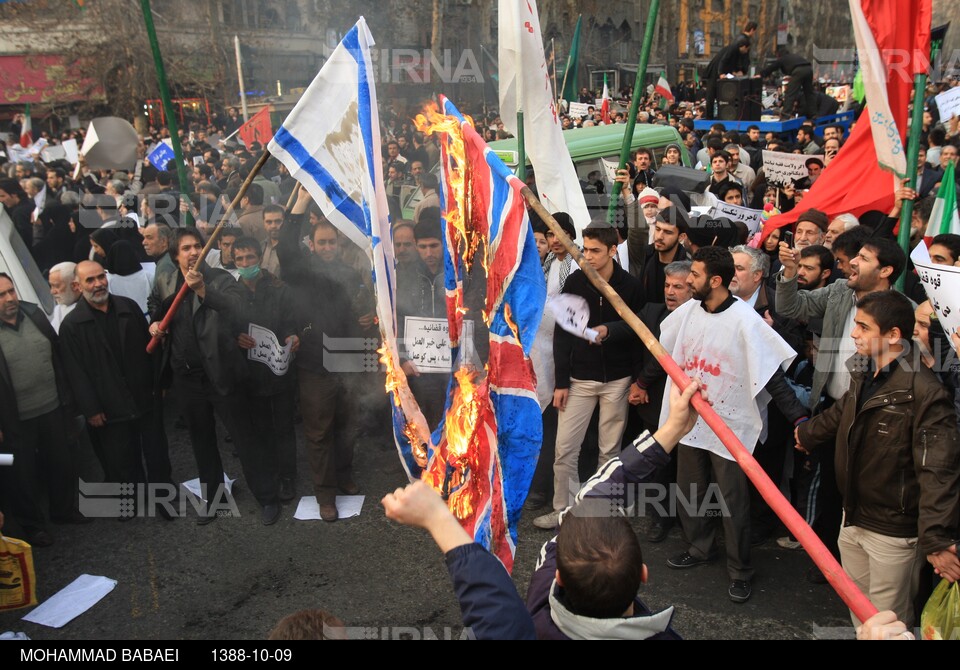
x=269 y=304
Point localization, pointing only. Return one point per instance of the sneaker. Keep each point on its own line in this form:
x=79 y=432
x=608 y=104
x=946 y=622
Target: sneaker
x=739 y=591
x=287 y=490
x=787 y=543
x=548 y=521
x=270 y=514
x=686 y=560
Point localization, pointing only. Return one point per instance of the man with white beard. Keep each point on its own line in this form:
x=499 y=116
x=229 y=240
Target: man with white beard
x=61 y=288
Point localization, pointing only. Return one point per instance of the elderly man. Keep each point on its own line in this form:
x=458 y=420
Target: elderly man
x=63 y=292
x=104 y=343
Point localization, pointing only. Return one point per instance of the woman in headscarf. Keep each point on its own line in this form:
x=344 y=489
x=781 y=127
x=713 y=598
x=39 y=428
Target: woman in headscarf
x=125 y=275
x=101 y=241
x=57 y=246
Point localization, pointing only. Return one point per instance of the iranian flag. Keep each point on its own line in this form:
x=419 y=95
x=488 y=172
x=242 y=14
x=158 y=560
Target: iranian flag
x=663 y=88
x=26 y=134
x=605 y=106
x=943 y=218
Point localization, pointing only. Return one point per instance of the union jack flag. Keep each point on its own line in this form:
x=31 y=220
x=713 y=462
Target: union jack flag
x=493 y=478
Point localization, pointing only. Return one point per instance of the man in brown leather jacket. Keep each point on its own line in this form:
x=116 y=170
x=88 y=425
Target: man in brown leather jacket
x=897 y=457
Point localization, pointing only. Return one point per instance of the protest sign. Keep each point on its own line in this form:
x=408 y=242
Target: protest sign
x=572 y=314
x=942 y=284
x=162 y=155
x=751 y=217
x=784 y=169
x=268 y=350
x=579 y=109
x=428 y=344
x=948 y=103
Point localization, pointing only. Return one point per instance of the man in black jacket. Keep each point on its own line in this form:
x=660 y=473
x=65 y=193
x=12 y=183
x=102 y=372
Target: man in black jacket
x=270 y=305
x=800 y=72
x=728 y=61
x=324 y=293
x=592 y=372
x=208 y=367
x=104 y=343
x=34 y=395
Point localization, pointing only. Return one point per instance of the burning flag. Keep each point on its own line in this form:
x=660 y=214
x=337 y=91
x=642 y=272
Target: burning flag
x=488 y=444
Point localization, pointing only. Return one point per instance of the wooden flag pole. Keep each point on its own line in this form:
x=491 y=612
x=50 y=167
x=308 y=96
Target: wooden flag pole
x=182 y=293
x=839 y=580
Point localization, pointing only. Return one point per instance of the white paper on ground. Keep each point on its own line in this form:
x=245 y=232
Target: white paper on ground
x=194 y=485
x=71 y=601
x=347 y=506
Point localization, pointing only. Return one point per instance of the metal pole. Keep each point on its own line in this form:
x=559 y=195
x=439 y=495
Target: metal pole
x=243 y=89
x=839 y=580
x=635 y=102
x=167 y=104
x=913 y=154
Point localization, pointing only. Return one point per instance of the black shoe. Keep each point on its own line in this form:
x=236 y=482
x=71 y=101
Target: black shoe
x=534 y=502
x=814 y=576
x=270 y=514
x=686 y=560
x=739 y=591
x=205 y=519
x=39 y=538
x=758 y=537
x=164 y=513
x=74 y=518
x=657 y=532
x=349 y=488
x=287 y=490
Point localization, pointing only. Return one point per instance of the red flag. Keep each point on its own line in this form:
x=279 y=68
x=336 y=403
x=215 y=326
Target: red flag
x=854 y=181
x=257 y=129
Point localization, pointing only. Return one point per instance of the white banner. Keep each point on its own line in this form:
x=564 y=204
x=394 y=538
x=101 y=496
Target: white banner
x=948 y=103
x=526 y=85
x=783 y=169
x=428 y=344
x=269 y=351
x=579 y=109
x=572 y=314
x=753 y=218
x=942 y=284
x=886 y=135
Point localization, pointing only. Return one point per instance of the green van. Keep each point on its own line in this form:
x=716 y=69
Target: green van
x=589 y=147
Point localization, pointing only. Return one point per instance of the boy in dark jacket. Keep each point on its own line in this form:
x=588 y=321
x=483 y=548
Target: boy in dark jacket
x=586 y=581
x=588 y=373
x=897 y=457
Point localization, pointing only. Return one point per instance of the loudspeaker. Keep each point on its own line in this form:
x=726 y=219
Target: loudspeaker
x=739 y=99
x=684 y=178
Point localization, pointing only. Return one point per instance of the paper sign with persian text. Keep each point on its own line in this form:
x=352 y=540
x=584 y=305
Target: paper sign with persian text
x=579 y=109
x=428 y=344
x=753 y=218
x=269 y=351
x=942 y=284
x=948 y=103
x=572 y=313
x=784 y=169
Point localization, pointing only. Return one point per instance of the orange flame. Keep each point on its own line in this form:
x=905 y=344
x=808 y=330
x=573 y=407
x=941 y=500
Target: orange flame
x=451 y=473
x=395 y=382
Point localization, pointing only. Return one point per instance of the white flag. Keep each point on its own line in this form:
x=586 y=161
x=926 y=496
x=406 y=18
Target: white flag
x=525 y=86
x=886 y=135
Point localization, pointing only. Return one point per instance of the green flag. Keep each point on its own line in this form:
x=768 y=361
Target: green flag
x=859 y=94
x=571 y=89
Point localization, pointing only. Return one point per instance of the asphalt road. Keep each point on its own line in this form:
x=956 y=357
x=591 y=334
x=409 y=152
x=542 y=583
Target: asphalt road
x=234 y=579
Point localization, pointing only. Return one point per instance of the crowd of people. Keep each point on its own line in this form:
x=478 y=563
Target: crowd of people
x=862 y=429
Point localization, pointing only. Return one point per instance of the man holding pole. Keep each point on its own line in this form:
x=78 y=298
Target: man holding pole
x=207 y=366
